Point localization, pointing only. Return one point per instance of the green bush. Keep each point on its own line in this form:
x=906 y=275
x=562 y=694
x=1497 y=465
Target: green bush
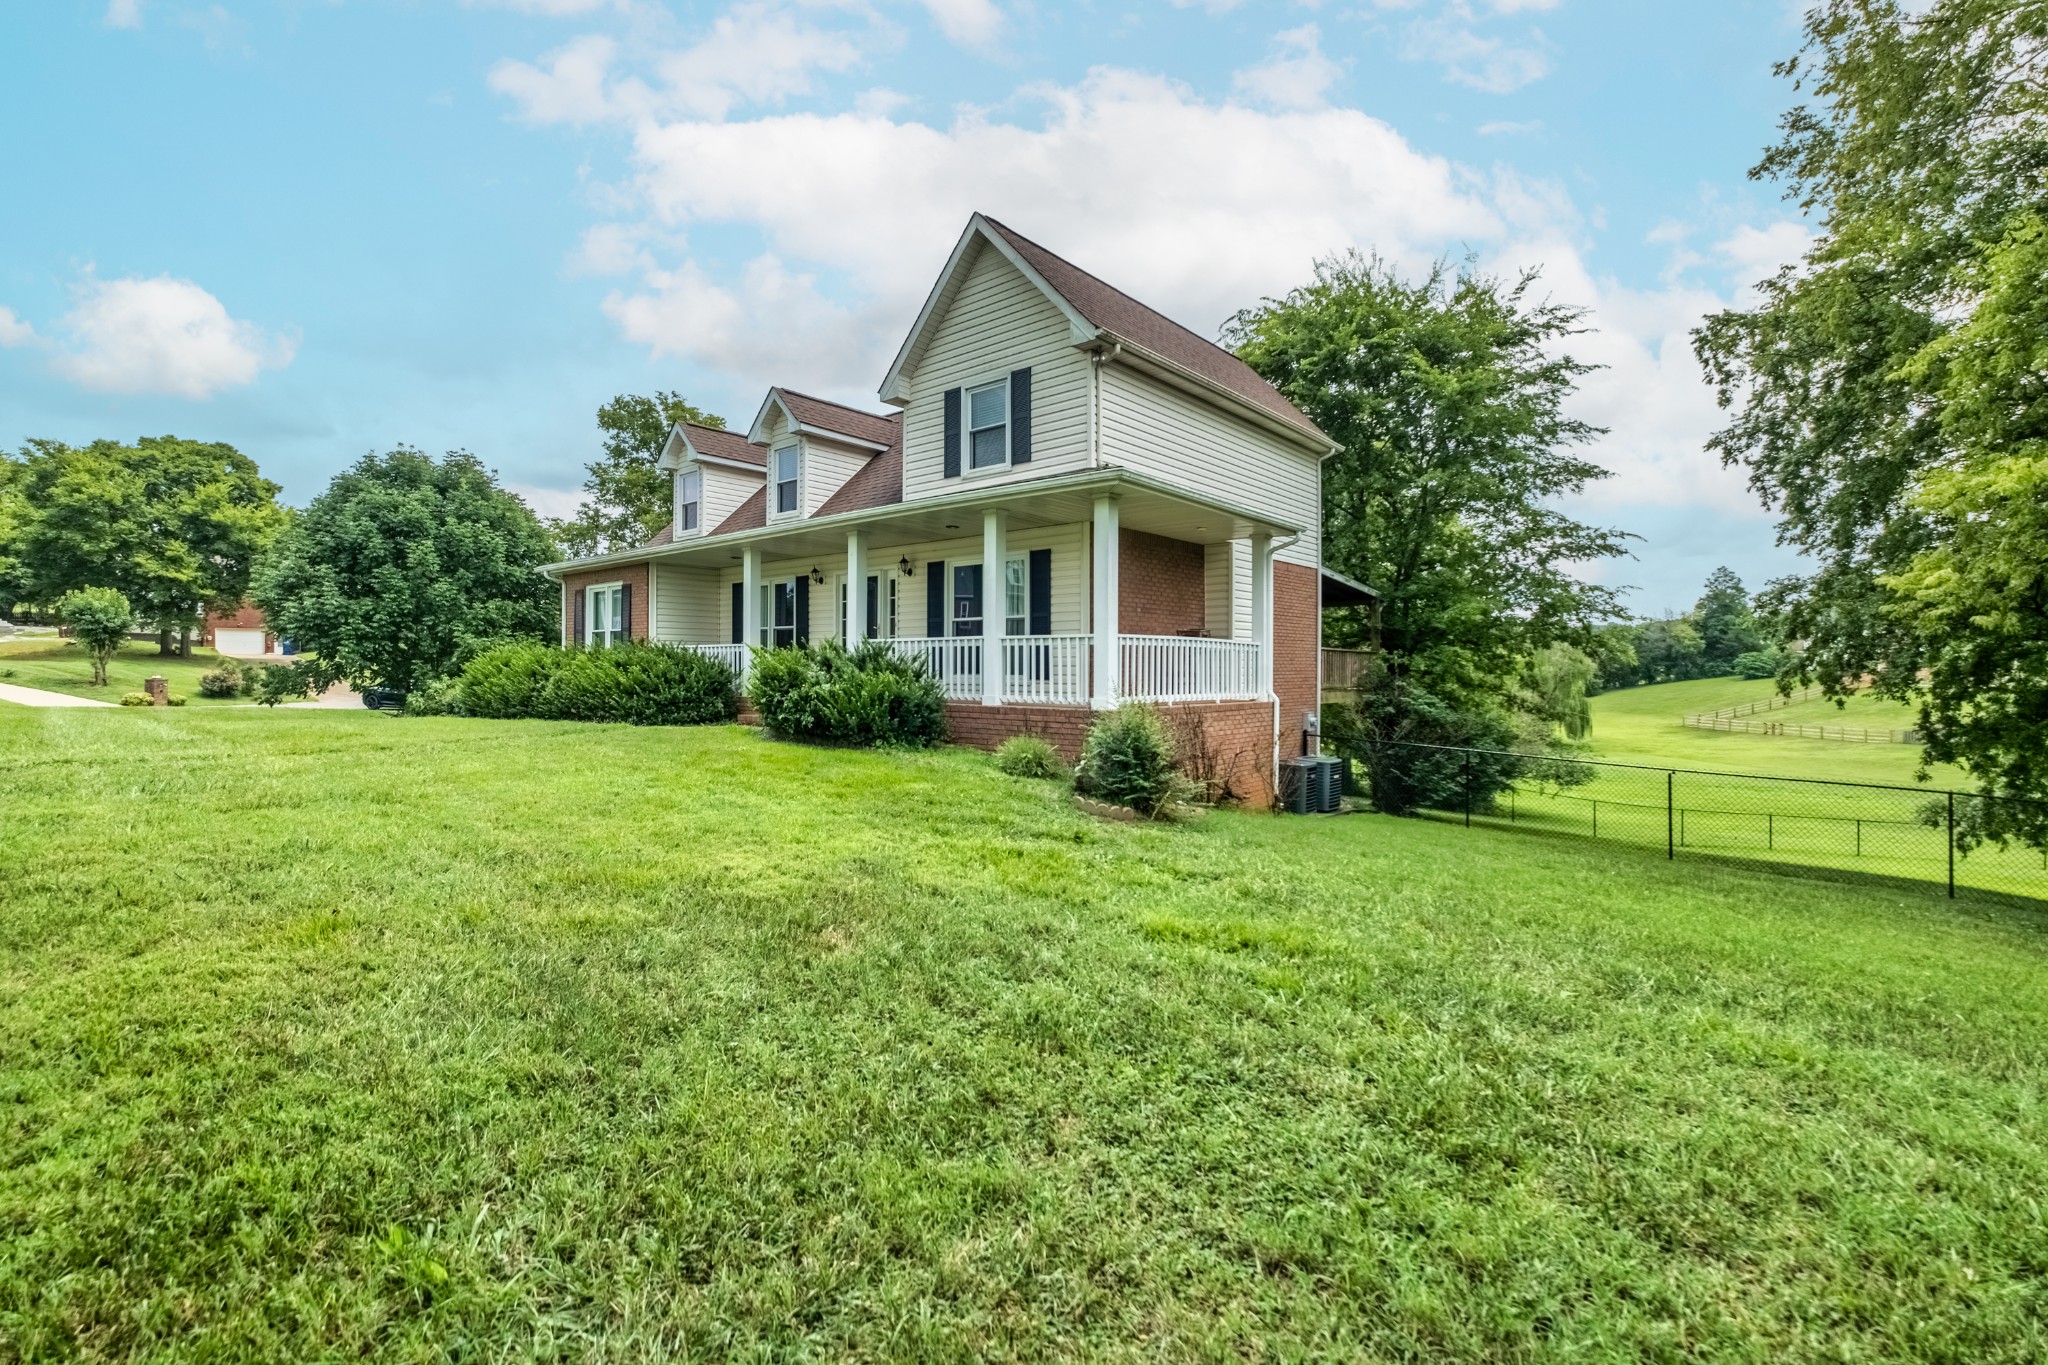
x=225 y=681
x=1410 y=747
x=632 y=684
x=869 y=696
x=1030 y=756
x=505 y=683
x=175 y=699
x=135 y=699
x=1757 y=663
x=1128 y=759
x=278 y=683
x=441 y=697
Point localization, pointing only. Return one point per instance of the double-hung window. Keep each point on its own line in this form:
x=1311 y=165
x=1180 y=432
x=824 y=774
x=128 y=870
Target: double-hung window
x=785 y=478
x=1015 y=597
x=689 y=498
x=778 y=612
x=605 y=616
x=967 y=599
x=988 y=426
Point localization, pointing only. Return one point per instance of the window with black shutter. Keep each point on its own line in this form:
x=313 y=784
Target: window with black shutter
x=935 y=598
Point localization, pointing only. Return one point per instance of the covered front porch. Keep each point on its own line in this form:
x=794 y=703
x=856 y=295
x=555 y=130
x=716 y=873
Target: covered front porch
x=1108 y=588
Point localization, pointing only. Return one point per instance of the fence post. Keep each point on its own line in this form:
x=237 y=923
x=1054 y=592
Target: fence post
x=1670 y=837
x=1468 y=789
x=1951 y=845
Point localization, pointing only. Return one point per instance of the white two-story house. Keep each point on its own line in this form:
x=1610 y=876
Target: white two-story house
x=1075 y=501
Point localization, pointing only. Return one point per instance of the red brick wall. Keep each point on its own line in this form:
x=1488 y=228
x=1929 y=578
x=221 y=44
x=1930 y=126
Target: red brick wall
x=1297 y=647
x=1160 y=585
x=1226 y=745
x=245 y=617
x=635 y=574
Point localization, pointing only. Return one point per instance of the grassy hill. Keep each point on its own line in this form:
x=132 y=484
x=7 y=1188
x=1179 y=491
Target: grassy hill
x=57 y=665
x=346 y=1035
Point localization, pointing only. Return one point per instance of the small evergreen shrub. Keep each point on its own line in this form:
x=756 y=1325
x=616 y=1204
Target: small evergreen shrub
x=441 y=697
x=225 y=681
x=505 y=683
x=175 y=699
x=135 y=699
x=1030 y=756
x=868 y=696
x=1128 y=759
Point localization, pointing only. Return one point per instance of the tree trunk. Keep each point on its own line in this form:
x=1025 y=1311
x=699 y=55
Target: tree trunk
x=163 y=640
x=185 y=641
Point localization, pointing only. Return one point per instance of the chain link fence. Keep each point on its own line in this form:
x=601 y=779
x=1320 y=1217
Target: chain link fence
x=1848 y=830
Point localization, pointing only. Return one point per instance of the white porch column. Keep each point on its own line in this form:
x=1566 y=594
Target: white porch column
x=750 y=606
x=1262 y=609
x=856 y=587
x=995 y=604
x=1102 y=578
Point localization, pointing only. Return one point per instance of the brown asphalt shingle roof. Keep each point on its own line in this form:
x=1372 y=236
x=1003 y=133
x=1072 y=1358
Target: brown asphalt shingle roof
x=726 y=445
x=825 y=415
x=1111 y=309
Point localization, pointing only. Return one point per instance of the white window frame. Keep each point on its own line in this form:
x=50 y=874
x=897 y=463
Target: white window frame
x=968 y=428
x=614 y=597
x=768 y=626
x=690 y=502
x=1017 y=622
x=795 y=451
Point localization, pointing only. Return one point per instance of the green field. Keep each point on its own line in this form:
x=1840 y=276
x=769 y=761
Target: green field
x=62 y=666
x=326 y=1035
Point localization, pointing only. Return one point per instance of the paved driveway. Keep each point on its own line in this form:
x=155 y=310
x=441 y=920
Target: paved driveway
x=36 y=696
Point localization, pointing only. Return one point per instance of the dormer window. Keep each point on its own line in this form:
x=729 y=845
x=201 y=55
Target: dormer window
x=689 y=497
x=785 y=478
x=988 y=426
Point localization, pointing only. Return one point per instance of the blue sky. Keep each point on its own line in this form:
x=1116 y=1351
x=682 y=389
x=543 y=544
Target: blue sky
x=319 y=227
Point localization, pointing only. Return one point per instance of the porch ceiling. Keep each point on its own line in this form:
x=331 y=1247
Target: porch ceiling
x=1143 y=505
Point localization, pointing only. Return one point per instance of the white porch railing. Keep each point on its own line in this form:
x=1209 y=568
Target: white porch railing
x=1048 y=669
x=1187 y=668
x=732 y=656
x=954 y=661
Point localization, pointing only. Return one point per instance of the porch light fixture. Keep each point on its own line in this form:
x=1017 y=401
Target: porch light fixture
x=903 y=566
x=817 y=574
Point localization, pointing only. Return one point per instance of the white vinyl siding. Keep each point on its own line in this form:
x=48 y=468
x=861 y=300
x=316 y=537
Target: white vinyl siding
x=827 y=466
x=1178 y=439
x=686 y=608
x=1227 y=589
x=997 y=322
x=725 y=488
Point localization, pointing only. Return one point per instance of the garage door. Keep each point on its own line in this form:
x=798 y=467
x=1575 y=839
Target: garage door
x=238 y=641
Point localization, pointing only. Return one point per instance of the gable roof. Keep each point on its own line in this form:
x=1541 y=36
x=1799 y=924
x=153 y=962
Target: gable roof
x=822 y=417
x=1116 y=312
x=878 y=483
x=721 y=444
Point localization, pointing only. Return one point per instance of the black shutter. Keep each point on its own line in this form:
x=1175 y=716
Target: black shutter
x=935 y=597
x=874 y=605
x=803 y=609
x=739 y=613
x=626 y=611
x=1020 y=416
x=1039 y=579
x=582 y=598
x=953 y=433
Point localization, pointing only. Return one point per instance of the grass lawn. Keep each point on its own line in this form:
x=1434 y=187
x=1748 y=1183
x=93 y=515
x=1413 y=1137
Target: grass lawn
x=61 y=666
x=344 y=1034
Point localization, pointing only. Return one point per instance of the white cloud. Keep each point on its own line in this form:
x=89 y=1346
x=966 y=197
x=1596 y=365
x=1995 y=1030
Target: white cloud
x=124 y=14
x=971 y=23
x=162 y=335
x=1755 y=254
x=1296 y=76
x=547 y=502
x=571 y=89
x=1212 y=6
x=14 y=331
x=1469 y=57
x=556 y=9
x=1503 y=128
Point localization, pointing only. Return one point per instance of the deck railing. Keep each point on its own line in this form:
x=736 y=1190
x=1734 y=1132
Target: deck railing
x=954 y=660
x=1187 y=668
x=1047 y=669
x=732 y=656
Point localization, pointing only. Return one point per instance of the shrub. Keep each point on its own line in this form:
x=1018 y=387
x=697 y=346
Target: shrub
x=175 y=699
x=1404 y=739
x=1030 y=756
x=1128 y=759
x=441 y=697
x=135 y=699
x=505 y=683
x=869 y=695
x=225 y=681
x=1757 y=663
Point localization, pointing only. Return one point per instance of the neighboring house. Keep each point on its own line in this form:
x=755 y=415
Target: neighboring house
x=1075 y=486
x=242 y=632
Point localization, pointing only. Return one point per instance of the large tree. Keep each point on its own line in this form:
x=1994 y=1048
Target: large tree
x=627 y=498
x=1446 y=397
x=1726 y=625
x=175 y=525
x=402 y=564
x=13 y=524
x=1886 y=391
